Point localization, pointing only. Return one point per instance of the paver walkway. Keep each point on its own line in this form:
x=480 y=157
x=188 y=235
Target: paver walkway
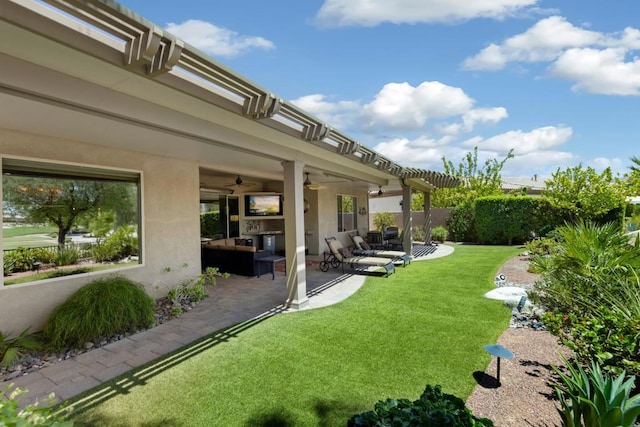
x=234 y=301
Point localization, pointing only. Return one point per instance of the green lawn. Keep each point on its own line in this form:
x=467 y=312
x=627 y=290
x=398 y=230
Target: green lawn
x=426 y=324
x=28 y=237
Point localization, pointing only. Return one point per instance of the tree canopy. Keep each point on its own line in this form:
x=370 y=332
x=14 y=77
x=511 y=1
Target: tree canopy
x=583 y=193
x=66 y=202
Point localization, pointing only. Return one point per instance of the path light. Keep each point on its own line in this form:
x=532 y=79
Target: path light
x=498 y=351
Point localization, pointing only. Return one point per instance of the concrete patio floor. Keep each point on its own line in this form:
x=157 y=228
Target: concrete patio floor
x=232 y=304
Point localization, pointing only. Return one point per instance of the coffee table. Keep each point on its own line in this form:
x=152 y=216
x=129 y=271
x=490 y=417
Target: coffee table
x=272 y=259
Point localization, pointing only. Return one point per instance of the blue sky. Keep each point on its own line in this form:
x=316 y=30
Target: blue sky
x=556 y=81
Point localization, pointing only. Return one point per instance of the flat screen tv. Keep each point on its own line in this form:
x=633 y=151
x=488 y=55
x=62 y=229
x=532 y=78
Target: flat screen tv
x=262 y=205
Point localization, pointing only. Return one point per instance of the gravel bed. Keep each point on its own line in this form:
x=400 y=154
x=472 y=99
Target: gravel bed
x=525 y=396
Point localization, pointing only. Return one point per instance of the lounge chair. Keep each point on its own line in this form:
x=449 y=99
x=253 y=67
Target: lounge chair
x=339 y=255
x=363 y=248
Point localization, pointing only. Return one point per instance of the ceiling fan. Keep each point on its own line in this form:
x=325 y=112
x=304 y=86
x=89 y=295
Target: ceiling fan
x=308 y=184
x=239 y=182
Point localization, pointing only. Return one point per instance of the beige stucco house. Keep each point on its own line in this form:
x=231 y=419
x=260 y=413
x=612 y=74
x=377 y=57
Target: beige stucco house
x=89 y=88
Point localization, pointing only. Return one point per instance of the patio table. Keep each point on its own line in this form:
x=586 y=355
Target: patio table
x=272 y=259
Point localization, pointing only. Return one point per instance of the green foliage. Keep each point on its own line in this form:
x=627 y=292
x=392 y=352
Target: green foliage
x=23 y=259
x=477 y=181
x=434 y=408
x=541 y=247
x=67 y=256
x=102 y=223
x=210 y=224
x=439 y=233
x=461 y=222
x=605 y=335
x=594 y=399
x=120 y=244
x=419 y=234
x=13 y=414
x=99 y=310
x=382 y=220
x=194 y=289
x=590 y=288
x=505 y=219
x=583 y=194
x=11 y=349
x=589 y=256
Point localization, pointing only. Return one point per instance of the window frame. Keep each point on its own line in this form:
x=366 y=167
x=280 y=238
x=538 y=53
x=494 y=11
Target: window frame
x=341 y=214
x=48 y=168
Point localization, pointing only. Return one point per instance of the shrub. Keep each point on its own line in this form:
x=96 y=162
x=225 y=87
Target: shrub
x=418 y=234
x=66 y=256
x=104 y=307
x=11 y=349
x=120 y=244
x=434 y=408
x=588 y=256
x=382 y=220
x=194 y=289
x=439 y=233
x=13 y=414
x=461 y=223
x=23 y=259
x=593 y=399
x=210 y=224
x=591 y=290
x=505 y=219
x=541 y=247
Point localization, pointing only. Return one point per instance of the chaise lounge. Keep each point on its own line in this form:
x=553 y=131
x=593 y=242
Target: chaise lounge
x=339 y=255
x=363 y=248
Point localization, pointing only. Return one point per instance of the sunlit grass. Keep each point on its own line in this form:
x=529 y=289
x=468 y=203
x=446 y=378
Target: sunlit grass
x=426 y=324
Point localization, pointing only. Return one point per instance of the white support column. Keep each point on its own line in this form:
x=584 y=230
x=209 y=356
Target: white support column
x=407 y=221
x=427 y=217
x=294 y=234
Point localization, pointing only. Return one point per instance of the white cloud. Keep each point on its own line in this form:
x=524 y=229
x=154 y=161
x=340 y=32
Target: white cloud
x=217 y=41
x=483 y=115
x=597 y=62
x=601 y=163
x=544 y=41
x=523 y=143
x=599 y=71
x=337 y=13
x=424 y=152
x=402 y=106
x=336 y=114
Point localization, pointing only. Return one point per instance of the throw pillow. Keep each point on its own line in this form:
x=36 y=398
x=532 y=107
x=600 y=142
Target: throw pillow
x=346 y=253
x=365 y=246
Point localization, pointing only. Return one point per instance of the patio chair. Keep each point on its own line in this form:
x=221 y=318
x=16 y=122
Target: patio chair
x=375 y=239
x=396 y=242
x=363 y=248
x=341 y=255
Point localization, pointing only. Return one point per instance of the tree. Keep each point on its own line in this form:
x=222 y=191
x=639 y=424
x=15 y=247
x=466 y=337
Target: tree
x=583 y=193
x=477 y=181
x=631 y=184
x=63 y=202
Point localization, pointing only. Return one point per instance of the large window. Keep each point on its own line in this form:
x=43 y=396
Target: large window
x=67 y=219
x=347 y=213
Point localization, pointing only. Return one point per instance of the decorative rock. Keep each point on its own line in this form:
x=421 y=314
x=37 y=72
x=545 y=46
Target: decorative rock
x=89 y=345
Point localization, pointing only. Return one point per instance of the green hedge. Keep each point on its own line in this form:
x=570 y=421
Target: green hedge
x=505 y=220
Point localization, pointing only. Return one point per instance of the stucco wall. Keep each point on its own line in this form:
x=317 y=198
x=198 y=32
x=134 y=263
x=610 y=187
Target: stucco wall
x=328 y=215
x=170 y=225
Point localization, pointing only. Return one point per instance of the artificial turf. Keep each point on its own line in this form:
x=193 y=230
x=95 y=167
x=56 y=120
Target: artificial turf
x=426 y=324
